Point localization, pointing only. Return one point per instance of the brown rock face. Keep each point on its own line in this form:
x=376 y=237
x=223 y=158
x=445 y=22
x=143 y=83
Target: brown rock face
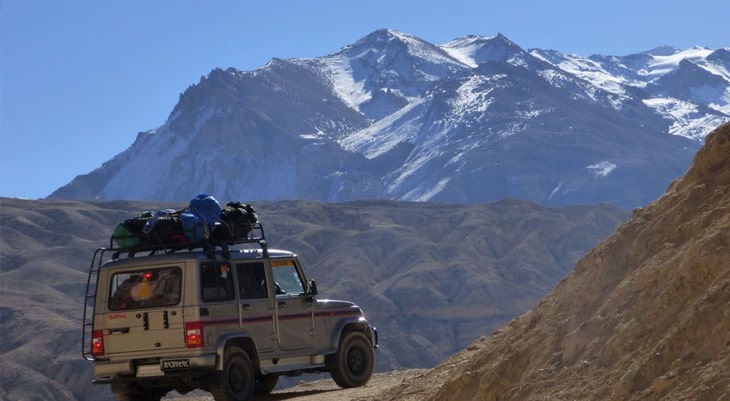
x=644 y=316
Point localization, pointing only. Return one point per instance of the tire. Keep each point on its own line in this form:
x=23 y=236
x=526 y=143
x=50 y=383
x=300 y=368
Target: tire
x=353 y=363
x=265 y=384
x=236 y=381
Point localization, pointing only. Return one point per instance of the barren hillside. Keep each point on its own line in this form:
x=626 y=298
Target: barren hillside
x=645 y=315
x=431 y=277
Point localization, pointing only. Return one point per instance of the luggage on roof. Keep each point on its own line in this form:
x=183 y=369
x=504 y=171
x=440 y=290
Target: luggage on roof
x=203 y=223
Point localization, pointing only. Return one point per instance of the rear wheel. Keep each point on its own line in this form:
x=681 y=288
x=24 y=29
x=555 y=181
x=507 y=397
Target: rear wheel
x=236 y=381
x=353 y=363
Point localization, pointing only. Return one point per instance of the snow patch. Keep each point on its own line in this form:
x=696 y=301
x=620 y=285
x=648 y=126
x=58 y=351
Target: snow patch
x=601 y=169
x=555 y=191
x=661 y=65
x=384 y=134
x=464 y=49
x=472 y=97
x=427 y=152
x=351 y=92
x=313 y=136
x=688 y=121
x=145 y=167
x=588 y=70
x=426 y=193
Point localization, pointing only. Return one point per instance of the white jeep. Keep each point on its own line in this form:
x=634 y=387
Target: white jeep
x=229 y=322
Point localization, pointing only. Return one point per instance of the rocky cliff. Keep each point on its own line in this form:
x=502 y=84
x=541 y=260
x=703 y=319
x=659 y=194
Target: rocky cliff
x=645 y=315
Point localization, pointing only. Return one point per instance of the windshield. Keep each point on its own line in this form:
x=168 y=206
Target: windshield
x=147 y=288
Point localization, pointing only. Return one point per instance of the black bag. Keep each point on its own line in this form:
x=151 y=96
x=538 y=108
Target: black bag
x=237 y=220
x=167 y=230
x=135 y=228
x=155 y=229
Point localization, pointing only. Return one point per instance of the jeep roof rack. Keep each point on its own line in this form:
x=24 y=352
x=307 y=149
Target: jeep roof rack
x=254 y=236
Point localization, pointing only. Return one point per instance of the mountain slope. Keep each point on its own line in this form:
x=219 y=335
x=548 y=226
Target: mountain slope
x=394 y=117
x=643 y=316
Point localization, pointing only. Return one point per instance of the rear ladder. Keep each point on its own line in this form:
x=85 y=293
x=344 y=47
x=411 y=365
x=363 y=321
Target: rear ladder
x=89 y=302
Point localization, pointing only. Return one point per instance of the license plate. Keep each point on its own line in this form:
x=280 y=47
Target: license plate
x=175 y=364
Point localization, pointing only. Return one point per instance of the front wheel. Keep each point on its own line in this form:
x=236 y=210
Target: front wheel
x=236 y=381
x=353 y=363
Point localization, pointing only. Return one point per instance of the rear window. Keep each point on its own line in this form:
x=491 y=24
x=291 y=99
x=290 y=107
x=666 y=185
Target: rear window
x=251 y=280
x=148 y=288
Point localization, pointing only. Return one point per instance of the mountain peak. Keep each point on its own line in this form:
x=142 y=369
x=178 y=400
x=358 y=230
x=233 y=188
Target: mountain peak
x=389 y=33
x=480 y=40
x=664 y=50
x=382 y=72
x=392 y=44
x=473 y=50
x=384 y=39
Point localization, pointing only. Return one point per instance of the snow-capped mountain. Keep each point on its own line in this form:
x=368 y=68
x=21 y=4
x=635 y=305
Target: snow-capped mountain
x=393 y=116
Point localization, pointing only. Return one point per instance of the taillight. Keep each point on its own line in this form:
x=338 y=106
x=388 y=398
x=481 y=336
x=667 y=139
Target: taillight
x=97 y=343
x=194 y=335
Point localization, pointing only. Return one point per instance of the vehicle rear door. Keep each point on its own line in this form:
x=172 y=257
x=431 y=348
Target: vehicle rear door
x=219 y=312
x=144 y=310
x=256 y=304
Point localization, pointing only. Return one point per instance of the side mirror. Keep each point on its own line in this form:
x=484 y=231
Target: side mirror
x=311 y=288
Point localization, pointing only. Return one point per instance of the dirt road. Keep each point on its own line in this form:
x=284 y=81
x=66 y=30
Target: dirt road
x=327 y=390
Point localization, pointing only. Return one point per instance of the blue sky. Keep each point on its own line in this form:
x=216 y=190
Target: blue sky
x=80 y=78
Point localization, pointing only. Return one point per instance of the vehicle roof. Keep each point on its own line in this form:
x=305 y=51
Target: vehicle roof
x=242 y=254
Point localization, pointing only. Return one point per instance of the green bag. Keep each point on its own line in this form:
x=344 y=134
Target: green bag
x=123 y=237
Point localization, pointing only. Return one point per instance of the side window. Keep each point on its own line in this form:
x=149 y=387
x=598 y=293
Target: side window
x=251 y=280
x=286 y=278
x=148 y=288
x=216 y=282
